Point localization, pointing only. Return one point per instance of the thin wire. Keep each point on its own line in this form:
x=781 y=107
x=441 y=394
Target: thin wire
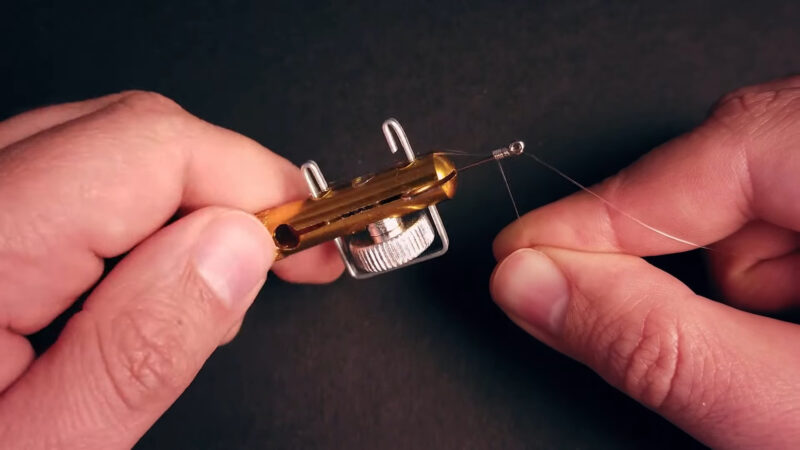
x=613 y=206
x=508 y=188
x=480 y=162
x=477 y=163
x=459 y=153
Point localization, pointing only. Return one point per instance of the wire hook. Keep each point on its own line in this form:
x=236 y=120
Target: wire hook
x=390 y=125
x=314 y=178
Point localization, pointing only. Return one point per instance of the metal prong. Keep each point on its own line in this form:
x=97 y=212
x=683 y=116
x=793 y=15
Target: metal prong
x=318 y=185
x=390 y=125
x=314 y=178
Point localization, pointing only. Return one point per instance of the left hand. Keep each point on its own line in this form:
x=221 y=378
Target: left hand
x=86 y=181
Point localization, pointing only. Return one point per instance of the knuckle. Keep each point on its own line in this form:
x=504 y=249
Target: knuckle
x=658 y=360
x=729 y=274
x=757 y=110
x=647 y=359
x=147 y=355
x=148 y=102
x=152 y=114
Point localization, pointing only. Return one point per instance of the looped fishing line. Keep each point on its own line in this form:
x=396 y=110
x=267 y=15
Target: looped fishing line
x=611 y=205
x=508 y=188
x=499 y=166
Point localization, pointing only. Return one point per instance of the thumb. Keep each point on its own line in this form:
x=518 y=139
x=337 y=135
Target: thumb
x=142 y=336
x=725 y=376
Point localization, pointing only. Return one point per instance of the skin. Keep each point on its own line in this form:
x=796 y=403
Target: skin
x=87 y=181
x=571 y=274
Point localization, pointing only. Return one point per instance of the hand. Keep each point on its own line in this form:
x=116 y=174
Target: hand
x=92 y=180
x=571 y=274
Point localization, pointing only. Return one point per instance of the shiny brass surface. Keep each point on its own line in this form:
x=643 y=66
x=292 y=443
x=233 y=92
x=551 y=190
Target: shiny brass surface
x=349 y=208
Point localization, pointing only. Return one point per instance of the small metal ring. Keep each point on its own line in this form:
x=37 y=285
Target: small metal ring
x=516 y=147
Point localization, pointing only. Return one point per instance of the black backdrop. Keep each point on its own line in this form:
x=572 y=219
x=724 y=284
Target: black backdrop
x=420 y=358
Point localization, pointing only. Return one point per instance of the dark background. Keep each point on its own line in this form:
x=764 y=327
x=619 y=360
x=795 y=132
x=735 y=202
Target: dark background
x=420 y=358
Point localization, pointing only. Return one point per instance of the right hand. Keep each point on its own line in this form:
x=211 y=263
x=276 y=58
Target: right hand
x=571 y=274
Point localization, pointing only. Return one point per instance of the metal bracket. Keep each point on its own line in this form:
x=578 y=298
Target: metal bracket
x=318 y=185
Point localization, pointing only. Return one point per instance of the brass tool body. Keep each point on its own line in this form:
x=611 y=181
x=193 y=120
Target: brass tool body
x=349 y=208
x=379 y=222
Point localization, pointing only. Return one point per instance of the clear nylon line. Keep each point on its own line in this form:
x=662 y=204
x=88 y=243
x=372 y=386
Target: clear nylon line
x=508 y=187
x=613 y=206
x=587 y=190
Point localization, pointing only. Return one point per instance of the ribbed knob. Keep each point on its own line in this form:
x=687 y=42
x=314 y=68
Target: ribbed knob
x=393 y=249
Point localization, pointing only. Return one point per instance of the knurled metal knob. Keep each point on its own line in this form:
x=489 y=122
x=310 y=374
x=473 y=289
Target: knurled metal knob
x=392 y=243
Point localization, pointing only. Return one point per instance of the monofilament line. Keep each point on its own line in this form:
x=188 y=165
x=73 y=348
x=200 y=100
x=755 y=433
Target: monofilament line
x=613 y=206
x=508 y=188
x=515 y=148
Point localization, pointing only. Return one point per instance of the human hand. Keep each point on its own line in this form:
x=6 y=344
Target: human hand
x=87 y=181
x=571 y=274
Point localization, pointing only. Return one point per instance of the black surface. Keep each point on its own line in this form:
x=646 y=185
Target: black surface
x=420 y=358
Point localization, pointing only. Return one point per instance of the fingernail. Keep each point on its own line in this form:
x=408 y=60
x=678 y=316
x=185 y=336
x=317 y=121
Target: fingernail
x=528 y=285
x=232 y=255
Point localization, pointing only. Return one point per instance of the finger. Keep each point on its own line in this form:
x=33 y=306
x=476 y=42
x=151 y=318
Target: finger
x=758 y=267
x=96 y=187
x=739 y=165
x=142 y=336
x=320 y=264
x=17 y=356
x=29 y=123
x=231 y=334
x=705 y=366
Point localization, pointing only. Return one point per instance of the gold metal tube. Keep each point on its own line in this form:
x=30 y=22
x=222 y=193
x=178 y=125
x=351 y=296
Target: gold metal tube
x=346 y=209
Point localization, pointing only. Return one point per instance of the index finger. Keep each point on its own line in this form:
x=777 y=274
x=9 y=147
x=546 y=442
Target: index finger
x=96 y=186
x=740 y=164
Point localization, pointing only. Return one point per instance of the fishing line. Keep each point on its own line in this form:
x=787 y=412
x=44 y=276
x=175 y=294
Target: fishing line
x=481 y=162
x=591 y=192
x=613 y=206
x=508 y=187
